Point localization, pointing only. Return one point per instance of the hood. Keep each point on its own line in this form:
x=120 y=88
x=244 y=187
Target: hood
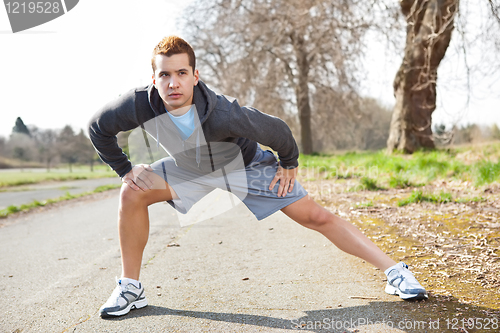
x=204 y=99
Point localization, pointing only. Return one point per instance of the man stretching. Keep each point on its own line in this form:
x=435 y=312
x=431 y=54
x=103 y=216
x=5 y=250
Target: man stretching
x=212 y=143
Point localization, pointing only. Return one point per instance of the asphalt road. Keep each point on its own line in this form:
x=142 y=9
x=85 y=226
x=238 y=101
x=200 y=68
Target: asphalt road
x=230 y=273
x=25 y=194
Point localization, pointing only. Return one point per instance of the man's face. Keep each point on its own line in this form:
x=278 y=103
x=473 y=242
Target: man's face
x=174 y=79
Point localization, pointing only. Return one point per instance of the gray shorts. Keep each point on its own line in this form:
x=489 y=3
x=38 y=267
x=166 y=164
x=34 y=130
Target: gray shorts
x=250 y=184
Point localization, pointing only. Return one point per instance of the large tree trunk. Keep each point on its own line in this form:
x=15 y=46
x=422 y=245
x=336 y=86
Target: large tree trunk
x=428 y=34
x=302 y=93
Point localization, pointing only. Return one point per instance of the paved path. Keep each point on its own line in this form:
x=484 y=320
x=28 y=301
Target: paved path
x=25 y=194
x=228 y=274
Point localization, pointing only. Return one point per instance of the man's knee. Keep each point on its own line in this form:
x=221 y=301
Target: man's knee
x=128 y=196
x=319 y=217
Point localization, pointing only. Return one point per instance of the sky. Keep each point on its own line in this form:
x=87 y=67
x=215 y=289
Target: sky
x=62 y=72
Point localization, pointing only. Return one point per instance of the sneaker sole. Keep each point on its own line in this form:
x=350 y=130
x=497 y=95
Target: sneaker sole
x=131 y=306
x=407 y=297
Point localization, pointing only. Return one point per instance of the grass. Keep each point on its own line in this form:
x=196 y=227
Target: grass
x=103 y=188
x=442 y=197
x=34 y=204
x=367 y=204
x=480 y=165
x=466 y=200
x=487 y=172
x=10 y=178
x=400 y=182
x=369 y=184
x=418 y=196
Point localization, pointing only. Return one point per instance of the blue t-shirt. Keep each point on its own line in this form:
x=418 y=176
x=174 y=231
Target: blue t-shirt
x=184 y=123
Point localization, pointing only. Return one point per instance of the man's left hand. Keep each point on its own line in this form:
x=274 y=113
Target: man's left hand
x=286 y=178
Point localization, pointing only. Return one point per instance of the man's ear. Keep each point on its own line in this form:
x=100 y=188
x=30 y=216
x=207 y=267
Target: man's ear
x=154 y=81
x=196 y=77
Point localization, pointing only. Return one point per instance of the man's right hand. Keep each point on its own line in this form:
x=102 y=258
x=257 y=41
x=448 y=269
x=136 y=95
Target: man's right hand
x=139 y=178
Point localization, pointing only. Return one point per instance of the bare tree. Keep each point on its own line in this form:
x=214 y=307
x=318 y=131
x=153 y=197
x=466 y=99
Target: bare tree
x=45 y=143
x=2 y=146
x=67 y=146
x=430 y=24
x=354 y=123
x=277 y=54
x=47 y=146
x=21 y=147
x=429 y=27
x=85 y=149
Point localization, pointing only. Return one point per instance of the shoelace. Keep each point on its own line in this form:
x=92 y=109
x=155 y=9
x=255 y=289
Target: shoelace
x=118 y=292
x=396 y=276
x=407 y=271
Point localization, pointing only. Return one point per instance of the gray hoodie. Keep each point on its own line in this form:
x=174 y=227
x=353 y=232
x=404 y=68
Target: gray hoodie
x=221 y=120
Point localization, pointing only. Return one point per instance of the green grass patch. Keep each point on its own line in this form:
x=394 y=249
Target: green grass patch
x=418 y=196
x=369 y=184
x=442 y=197
x=400 y=182
x=403 y=171
x=367 y=204
x=15 y=178
x=67 y=196
x=10 y=210
x=106 y=187
x=487 y=172
x=468 y=200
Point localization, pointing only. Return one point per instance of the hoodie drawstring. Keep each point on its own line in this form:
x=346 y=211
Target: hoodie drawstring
x=198 y=153
x=157 y=135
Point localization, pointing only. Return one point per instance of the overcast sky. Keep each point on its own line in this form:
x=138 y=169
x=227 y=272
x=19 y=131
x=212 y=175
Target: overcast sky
x=63 y=71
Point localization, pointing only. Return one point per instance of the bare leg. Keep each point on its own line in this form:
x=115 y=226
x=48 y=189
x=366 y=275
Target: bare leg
x=133 y=223
x=340 y=232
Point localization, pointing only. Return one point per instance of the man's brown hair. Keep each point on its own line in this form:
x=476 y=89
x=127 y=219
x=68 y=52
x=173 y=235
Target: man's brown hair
x=173 y=45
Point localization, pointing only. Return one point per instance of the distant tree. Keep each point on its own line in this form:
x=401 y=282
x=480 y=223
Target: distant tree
x=68 y=146
x=123 y=142
x=2 y=146
x=21 y=144
x=440 y=129
x=35 y=135
x=441 y=135
x=354 y=122
x=21 y=147
x=47 y=146
x=373 y=127
x=3 y=152
x=19 y=153
x=470 y=133
x=495 y=132
x=20 y=127
x=86 y=151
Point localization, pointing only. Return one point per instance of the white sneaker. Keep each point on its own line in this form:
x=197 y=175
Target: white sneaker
x=400 y=281
x=124 y=298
